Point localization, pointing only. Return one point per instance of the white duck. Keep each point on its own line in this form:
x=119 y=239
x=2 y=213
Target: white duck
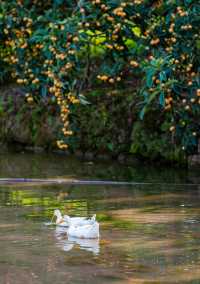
x=67 y=221
x=88 y=231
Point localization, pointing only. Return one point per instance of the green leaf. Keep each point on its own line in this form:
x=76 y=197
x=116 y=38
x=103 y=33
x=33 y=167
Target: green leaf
x=149 y=78
x=142 y=112
x=162 y=99
x=110 y=146
x=83 y=100
x=44 y=91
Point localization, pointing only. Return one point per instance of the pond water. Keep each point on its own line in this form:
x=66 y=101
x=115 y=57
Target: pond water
x=150 y=233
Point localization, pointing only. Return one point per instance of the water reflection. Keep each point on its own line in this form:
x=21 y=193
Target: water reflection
x=66 y=243
x=27 y=165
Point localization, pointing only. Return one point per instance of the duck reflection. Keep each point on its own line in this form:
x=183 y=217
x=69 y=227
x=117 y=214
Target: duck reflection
x=66 y=243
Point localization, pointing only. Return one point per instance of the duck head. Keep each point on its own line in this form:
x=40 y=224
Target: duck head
x=58 y=214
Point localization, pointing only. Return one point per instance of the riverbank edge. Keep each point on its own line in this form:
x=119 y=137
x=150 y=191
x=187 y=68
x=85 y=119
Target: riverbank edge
x=35 y=128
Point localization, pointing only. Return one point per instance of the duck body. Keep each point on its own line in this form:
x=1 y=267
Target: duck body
x=79 y=221
x=88 y=231
x=67 y=221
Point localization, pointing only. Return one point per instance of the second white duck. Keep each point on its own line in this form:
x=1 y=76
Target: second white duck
x=88 y=231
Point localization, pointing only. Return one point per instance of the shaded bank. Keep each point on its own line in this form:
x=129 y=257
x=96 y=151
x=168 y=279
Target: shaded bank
x=108 y=127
